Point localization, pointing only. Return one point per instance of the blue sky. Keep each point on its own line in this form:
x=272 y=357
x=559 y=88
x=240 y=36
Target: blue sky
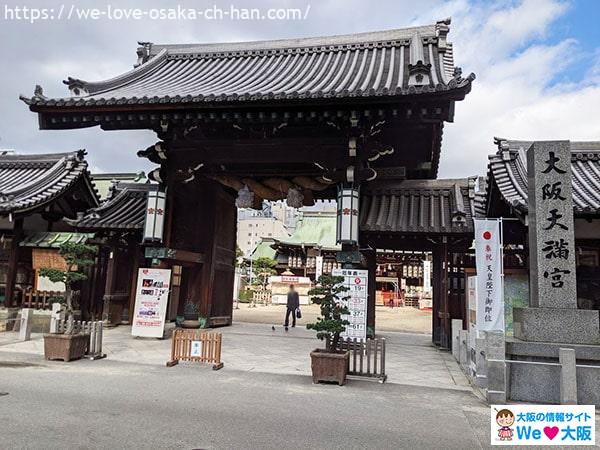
x=579 y=22
x=537 y=64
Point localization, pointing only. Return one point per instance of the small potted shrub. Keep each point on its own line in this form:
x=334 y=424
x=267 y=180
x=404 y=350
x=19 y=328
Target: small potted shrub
x=78 y=257
x=329 y=364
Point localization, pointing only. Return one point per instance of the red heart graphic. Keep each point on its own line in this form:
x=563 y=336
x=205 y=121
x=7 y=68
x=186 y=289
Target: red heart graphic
x=551 y=432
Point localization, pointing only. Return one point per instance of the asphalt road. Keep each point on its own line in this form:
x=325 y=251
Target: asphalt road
x=105 y=404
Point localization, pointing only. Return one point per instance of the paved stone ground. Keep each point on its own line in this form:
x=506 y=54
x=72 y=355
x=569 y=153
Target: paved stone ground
x=410 y=359
x=404 y=319
x=113 y=405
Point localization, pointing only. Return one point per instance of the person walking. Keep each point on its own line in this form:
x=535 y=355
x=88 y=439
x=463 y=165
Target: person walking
x=293 y=303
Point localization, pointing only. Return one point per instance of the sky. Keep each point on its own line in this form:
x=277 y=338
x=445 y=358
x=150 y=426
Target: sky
x=537 y=64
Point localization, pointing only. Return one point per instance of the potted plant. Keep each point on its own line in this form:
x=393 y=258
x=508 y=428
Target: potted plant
x=331 y=363
x=77 y=257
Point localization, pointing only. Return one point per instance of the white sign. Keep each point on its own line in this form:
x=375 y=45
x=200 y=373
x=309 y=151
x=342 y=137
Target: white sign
x=151 y=297
x=356 y=281
x=542 y=425
x=318 y=267
x=196 y=349
x=488 y=258
x=427 y=277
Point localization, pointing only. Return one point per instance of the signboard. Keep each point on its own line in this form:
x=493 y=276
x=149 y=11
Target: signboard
x=151 y=297
x=551 y=231
x=47 y=258
x=427 y=278
x=356 y=281
x=488 y=259
x=196 y=349
x=318 y=267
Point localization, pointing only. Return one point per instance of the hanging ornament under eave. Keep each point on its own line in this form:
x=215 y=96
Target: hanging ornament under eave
x=155 y=216
x=295 y=198
x=347 y=216
x=245 y=198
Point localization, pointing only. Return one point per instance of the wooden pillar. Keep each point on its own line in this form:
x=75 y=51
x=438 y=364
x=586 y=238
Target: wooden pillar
x=13 y=263
x=437 y=270
x=204 y=221
x=445 y=313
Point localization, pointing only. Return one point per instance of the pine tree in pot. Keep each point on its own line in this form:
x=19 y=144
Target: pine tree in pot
x=78 y=257
x=329 y=364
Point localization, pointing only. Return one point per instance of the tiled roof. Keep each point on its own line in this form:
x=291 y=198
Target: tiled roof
x=28 y=182
x=379 y=64
x=508 y=171
x=314 y=230
x=105 y=181
x=125 y=209
x=54 y=239
x=420 y=206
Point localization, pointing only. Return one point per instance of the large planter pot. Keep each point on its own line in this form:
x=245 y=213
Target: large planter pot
x=65 y=346
x=329 y=367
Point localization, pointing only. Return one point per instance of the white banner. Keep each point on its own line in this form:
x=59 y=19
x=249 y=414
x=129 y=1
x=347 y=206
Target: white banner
x=151 y=297
x=488 y=258
x=318 y=267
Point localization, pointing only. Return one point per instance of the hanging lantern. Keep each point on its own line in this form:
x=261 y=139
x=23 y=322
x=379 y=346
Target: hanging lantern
x=245 y=198
x=347 y=216
x=155 y=216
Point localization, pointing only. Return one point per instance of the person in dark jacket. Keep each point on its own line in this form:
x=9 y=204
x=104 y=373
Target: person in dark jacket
x=293 y=303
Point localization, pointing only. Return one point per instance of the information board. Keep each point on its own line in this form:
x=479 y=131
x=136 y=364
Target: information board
x=151 y=298
x=357 y=282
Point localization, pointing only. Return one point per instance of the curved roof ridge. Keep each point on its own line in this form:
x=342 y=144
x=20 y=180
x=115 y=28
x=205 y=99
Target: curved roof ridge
x=303 y=42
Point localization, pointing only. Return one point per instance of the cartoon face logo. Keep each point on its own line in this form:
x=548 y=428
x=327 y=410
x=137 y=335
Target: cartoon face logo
x=505 y=419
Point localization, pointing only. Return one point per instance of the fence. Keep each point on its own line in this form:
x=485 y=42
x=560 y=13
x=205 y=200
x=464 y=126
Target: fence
x=196 y=346
x=367 y=358
x=95 y=330
x=261 y=296
x=39 y=299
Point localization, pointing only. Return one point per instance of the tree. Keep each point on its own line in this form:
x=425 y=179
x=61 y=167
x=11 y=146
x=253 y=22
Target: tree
x=263 y=268
x=328 y=294
x=77 y=258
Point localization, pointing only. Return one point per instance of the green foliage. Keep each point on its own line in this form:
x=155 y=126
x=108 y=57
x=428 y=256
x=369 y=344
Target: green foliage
x=328 y=294
x=245 y=296
x=239 y=256
x=78 y=258
x=263 y=268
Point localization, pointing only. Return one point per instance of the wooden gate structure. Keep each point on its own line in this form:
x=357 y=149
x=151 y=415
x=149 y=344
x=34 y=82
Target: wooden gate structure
x=239 y=123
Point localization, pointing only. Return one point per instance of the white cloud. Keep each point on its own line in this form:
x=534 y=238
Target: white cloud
x=516 y=94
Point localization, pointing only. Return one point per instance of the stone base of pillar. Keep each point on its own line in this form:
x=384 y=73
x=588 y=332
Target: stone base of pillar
x=561 y=325
x=541 y=382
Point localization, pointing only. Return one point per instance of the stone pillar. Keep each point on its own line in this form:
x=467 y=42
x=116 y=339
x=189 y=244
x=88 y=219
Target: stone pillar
x=552 y=315
x=26 y=323
x=568 y=376
x=463 y=350
x=496 y=367
x=457 y=326
x=480 y=365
